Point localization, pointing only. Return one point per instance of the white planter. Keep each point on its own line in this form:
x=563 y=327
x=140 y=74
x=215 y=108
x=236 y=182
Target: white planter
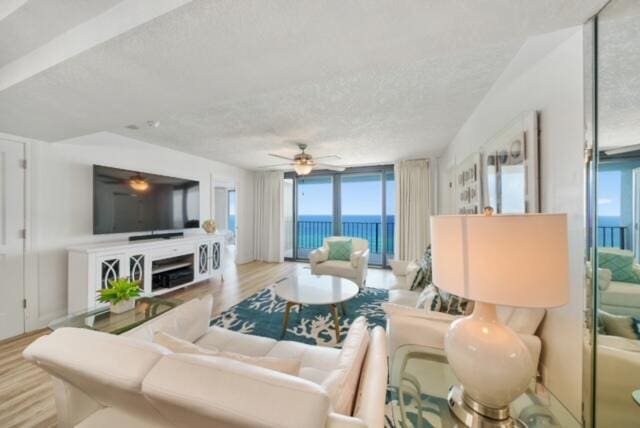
x=124 y=306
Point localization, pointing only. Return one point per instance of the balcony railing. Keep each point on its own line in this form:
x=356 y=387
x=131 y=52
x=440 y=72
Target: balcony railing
x=312 y=233
x=612 y=236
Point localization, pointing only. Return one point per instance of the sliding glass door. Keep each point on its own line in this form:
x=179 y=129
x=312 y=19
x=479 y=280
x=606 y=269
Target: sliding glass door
x=361 y=211
x=314 y=219
x=359 y=202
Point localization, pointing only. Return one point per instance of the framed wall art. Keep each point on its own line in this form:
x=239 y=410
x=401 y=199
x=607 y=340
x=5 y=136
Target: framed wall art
x=468 y=188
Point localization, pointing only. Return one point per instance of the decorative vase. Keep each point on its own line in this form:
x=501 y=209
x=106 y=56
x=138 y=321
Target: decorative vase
x=209 y=226
x=123 y=306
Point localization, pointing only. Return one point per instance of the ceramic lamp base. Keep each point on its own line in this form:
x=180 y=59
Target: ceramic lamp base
x=473 y=414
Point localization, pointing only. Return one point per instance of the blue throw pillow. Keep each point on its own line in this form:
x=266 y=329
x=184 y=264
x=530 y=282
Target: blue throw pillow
x=620 y=263
x=340 y=250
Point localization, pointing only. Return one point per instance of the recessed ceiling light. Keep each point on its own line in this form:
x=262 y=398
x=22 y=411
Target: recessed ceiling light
x=153 y=123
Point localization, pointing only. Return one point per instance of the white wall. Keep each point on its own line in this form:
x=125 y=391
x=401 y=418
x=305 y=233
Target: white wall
x=62 y=206
x=546 y=76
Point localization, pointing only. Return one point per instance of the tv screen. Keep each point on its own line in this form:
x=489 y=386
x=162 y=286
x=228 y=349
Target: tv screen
x=131 y=201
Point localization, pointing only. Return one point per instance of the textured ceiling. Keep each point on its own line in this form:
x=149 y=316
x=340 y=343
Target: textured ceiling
x=619 y=74
x=38 y=21
x=370 y=81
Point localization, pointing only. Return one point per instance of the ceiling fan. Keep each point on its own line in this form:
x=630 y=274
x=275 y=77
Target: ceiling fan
x=303 y=163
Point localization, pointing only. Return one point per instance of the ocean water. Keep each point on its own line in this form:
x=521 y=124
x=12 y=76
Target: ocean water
x=312 y=229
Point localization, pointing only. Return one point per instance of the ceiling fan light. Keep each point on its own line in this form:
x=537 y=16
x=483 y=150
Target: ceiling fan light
x=302 y=168
x=138 y=183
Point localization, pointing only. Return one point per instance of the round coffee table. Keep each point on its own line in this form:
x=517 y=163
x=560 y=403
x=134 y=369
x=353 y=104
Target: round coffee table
x=309 y=289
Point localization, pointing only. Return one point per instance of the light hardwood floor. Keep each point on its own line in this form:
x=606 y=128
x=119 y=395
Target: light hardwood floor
x=26 y=394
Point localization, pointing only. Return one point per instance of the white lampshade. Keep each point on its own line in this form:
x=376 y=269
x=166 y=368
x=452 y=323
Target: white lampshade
x=512 y=260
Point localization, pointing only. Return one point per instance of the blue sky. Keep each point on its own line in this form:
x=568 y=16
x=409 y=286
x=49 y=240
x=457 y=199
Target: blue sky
x=362 y=197
x=609 y=184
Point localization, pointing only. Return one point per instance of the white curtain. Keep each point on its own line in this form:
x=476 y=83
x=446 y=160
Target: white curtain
x=268 y=224
x=413 y=205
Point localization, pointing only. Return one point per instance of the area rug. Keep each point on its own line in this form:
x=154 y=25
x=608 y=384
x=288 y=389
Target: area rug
x=263 y=315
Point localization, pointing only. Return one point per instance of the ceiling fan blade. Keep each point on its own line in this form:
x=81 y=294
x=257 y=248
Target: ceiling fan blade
x=327 y=157
x=280 y=165
x=329 y=167
x=622 y=150
x=281 y=157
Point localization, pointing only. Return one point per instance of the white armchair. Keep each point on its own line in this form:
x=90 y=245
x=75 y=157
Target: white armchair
x=355 y=269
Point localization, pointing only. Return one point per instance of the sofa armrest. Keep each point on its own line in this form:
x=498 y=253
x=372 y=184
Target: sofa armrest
x=359 y=258
x=318 y=255
x=372 y=390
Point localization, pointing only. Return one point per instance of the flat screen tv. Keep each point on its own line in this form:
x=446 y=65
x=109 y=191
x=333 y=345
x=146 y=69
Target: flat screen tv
x=131 y=201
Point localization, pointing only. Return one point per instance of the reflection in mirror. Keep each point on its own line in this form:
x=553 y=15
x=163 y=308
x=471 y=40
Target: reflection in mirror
x=617 y=285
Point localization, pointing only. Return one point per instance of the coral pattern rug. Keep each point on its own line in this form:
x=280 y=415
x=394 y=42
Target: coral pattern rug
x=263 y=315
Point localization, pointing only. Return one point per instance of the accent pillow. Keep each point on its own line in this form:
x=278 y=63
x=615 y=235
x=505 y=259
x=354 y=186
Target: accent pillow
x=620 y=263
x=433 y=300
x=340 y=250
x=619 y=325
x=424 y=275
x=342 y=383
x=284 y=365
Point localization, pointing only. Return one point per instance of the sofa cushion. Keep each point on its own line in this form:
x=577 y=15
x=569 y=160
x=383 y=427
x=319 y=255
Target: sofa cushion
x=232 y=341
x=320 y=357
x=340 y=250
x=336 y=268
x=284 y=365
x=342 y=383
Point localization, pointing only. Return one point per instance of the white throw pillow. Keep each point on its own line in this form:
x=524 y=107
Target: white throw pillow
x=342 y=383
x=284 y=365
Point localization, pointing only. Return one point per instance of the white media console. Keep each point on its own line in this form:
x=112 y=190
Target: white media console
x=162 y=265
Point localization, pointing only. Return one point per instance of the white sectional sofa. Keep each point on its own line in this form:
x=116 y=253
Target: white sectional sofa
x=102 y=380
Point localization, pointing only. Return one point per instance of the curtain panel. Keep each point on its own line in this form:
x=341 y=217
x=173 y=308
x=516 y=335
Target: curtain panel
x=413 y=205
x=268 y=227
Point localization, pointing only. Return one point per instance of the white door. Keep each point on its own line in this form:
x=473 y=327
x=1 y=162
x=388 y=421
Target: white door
x=11 y=239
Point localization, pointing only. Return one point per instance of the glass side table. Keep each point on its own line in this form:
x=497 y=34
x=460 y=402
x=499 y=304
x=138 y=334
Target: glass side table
x=102 y=319
x=419 y=382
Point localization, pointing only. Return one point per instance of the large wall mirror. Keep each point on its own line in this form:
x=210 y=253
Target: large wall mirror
x=615 y=218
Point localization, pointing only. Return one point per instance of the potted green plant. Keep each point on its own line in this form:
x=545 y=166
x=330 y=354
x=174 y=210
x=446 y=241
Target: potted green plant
x=121 y=294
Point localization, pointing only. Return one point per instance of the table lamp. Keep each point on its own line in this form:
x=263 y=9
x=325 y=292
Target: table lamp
x=510 y=260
